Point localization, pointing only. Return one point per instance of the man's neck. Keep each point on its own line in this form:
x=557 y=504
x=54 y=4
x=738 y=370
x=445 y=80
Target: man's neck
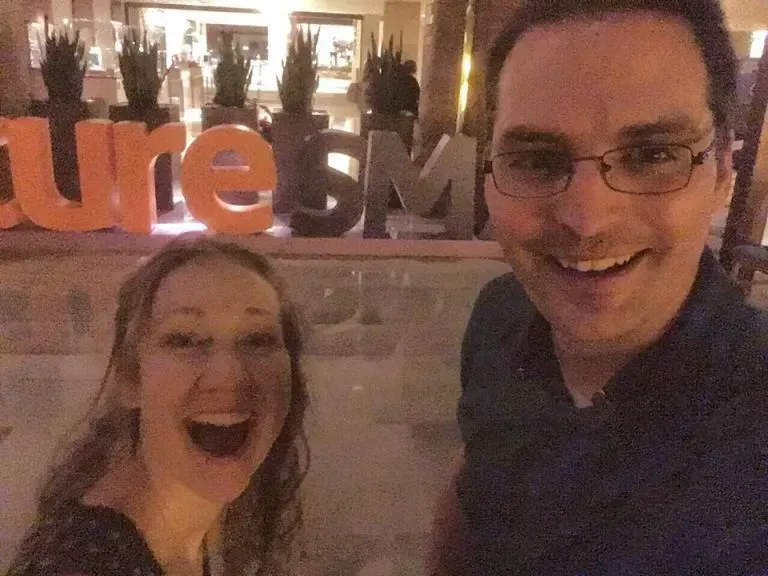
x=586 y=375
x=588 y=367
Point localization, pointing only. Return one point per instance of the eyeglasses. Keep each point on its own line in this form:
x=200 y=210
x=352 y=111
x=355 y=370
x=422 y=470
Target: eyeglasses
x=650 y=169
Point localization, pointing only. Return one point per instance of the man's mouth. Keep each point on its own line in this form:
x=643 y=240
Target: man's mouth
x=221 y=434
x=602 y=267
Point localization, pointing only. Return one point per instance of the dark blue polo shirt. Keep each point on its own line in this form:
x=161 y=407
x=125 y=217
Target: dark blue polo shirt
x=667 y=475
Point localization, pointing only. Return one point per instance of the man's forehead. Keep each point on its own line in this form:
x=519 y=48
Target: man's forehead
x=623 y=79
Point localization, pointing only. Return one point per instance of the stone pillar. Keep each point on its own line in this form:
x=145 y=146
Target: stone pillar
x=490 y=16
x=14 y=57
x=118 y=10
x=60 y=10
x=444 y=26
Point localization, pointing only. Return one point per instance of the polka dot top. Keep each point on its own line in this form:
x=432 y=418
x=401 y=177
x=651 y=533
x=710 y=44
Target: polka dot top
x=85 y=541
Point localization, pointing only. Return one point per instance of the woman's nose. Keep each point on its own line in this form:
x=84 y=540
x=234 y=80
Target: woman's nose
x=223 y=369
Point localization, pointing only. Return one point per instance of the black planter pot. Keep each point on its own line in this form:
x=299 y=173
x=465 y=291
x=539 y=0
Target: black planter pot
x=321 y=119
x=153 y=118
x=6 y=179
x=218 y=115
x=62 y=117
x=222 y=115
x=301 y=175
x=403 y=125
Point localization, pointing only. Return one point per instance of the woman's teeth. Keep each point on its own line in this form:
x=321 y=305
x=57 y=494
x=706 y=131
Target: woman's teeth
x=595 y=265
x=222 y=418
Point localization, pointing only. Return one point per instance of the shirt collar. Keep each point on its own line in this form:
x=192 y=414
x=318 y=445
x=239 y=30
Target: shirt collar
x=712 y=295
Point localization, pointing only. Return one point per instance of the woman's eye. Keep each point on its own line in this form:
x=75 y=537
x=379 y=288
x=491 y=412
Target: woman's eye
x=260 y=340
x=183 y=340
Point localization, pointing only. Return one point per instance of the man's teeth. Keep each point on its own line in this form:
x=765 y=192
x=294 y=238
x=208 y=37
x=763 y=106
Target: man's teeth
x=595 y=265
x=222 y=419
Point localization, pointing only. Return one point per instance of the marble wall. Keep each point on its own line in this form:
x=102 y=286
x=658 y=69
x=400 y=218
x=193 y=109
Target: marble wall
x=383 y=338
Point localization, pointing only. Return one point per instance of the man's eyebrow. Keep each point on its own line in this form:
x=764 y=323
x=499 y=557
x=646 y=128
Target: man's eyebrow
x=682 y=126
x=525 y=134
x=674 y=125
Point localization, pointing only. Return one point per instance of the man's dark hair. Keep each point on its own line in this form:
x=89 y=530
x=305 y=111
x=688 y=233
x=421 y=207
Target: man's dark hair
x=704 y=17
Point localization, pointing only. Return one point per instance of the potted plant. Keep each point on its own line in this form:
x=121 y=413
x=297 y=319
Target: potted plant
x=142 y=81
x=300 y=172
x=63 y=65
x=232 y=78
x=382 y=76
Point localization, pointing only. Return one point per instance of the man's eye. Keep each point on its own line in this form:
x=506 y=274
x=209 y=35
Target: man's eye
x=183 y=340
x=546 y=163
x=650 y=156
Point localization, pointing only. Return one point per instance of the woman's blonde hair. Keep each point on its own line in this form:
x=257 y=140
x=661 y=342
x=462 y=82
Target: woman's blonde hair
x=258 y=527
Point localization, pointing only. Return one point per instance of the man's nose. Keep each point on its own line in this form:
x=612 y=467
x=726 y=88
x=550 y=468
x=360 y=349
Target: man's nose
x=588 y=207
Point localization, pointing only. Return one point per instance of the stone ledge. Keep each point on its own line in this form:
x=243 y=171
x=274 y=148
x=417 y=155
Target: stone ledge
x=32 y=243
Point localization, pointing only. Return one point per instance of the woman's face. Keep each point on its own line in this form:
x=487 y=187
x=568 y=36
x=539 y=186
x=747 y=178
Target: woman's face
x=215 y=379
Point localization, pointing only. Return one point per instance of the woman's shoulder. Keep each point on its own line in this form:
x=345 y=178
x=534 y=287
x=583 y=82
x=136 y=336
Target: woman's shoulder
x=85 y=540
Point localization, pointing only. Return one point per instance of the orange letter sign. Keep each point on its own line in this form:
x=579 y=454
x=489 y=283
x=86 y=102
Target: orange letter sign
x=137 y=151
x=10 y=211
x=201 y=181
x=29 y=144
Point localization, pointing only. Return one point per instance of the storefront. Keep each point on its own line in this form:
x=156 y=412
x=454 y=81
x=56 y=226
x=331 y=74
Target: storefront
x=189 y=39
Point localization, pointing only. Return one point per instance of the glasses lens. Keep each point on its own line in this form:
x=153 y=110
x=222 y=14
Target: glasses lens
x=649 y=169
x=532 y=173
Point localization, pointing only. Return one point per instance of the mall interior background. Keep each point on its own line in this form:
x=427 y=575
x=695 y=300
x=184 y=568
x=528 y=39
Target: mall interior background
x=383 y=332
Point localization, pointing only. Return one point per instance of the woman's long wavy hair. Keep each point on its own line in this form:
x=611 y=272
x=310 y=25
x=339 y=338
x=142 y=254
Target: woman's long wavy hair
x=259 y=527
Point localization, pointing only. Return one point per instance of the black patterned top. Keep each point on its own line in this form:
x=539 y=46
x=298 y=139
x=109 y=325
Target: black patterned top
x=85 y=541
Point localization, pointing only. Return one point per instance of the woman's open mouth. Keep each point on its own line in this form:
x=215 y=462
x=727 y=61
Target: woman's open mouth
x=220 y=435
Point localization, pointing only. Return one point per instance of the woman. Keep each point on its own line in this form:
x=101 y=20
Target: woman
x=195 y=443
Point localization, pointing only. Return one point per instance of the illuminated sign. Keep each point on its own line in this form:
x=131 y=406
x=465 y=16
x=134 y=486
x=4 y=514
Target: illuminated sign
x=116 y=166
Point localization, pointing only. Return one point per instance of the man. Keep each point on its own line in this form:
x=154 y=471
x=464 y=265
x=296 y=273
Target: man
x=409 y=90
x=614 y=404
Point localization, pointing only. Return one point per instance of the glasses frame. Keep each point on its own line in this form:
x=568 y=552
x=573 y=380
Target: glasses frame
x=697 y=159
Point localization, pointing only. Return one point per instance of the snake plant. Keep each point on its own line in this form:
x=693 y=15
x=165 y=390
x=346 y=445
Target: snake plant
x=300 y=81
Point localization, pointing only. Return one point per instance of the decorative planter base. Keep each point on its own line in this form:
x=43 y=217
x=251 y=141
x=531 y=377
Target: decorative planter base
x=301 y=175
x=164 y=165
x=218 y=115
x=62 y=117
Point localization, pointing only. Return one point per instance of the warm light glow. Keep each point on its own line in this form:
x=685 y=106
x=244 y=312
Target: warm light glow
x=466 y=68
x=758 y=43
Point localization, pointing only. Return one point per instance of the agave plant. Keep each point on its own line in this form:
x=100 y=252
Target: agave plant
x=139 y=67
x=63 y=64
x=233 y=74
x=300 y=81
x=382 y=74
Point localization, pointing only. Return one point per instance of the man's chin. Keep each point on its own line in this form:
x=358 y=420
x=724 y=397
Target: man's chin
x=602 y=330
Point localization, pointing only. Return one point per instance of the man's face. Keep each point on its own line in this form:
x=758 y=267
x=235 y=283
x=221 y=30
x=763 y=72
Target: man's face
x=586 y=87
